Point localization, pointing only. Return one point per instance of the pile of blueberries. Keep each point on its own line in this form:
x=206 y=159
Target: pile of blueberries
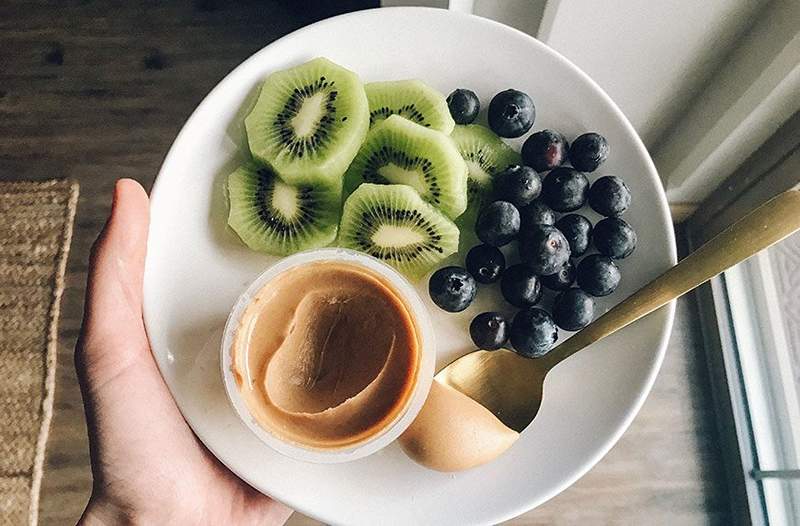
x=524 y=209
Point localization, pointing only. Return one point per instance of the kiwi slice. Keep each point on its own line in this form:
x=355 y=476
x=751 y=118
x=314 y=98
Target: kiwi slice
x=278 y=218
x=398 y=151
x=393 y=224
x=412 y=99
x=309 y=121
x=486 y=155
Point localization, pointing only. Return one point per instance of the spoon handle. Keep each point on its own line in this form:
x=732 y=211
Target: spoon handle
x=764 y=226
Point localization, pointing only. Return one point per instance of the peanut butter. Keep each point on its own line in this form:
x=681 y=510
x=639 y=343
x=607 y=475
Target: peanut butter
x=453 y=432
x=326 y=355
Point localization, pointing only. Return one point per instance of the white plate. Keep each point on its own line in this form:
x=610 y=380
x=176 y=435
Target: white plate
x=196 y=268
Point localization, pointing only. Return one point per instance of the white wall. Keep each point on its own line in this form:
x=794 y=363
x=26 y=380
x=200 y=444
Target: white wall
x=524 y=15
x=749 y=97
x=651 y=56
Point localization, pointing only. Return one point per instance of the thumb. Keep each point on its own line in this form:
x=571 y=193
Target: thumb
x=113 y=309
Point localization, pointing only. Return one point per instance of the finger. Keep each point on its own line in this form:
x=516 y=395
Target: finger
x=113 y=309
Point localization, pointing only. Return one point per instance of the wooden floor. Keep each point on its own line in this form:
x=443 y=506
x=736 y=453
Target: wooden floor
x=97 y=90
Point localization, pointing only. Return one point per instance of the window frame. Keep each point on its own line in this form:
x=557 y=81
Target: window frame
x=773 y=168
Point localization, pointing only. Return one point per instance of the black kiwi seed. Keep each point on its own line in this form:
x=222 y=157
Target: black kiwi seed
x=387 y=155
x=474 y=188
x=409 y=111
x=479 y=158
x=373 y=219
x=299 y=146
x=278 y=218
x=277 y=222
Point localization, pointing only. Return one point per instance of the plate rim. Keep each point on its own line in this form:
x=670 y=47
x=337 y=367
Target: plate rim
x=663 y=213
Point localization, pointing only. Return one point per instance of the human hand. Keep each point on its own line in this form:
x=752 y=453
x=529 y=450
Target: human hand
x=148 y=466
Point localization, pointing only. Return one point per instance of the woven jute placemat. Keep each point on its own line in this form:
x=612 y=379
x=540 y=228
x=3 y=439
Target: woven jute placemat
x=35 y=231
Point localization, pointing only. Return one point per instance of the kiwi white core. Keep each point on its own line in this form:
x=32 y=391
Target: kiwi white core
x=284 y=199
x=308 y=116
x=391 y=236
x=399 y=175
x=477 y=173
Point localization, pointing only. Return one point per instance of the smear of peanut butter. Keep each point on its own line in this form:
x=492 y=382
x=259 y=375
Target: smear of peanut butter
x=337 y=346
x=453 y=432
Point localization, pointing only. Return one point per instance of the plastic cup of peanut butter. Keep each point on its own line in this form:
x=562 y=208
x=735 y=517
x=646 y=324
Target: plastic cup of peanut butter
x=328 y=355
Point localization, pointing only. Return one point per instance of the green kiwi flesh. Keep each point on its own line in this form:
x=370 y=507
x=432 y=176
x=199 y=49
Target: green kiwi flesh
x=398 y=151
x=393 y=224
x=412 y=99
x=486 y=155
x=278 y=218
x=309 y=121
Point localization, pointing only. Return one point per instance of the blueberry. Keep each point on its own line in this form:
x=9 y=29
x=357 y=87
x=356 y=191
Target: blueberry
x=485 y=263
x=533 y=332
x=614 y=238
x=588 y=152
x=498 y=223
x=598 y=275
x=545 y=150
x=511 y=113
x=452 y=288
x=520 y=286
x=564 y=189
x=536 y=213
x=544 y=249
x=578 y=230
x=561 y=280
x=573 y=309
x=609 y=196
x=489 y=330
x=519 y=185
x=464 y=105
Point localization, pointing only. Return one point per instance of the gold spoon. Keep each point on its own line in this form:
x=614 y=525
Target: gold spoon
x=510 y=385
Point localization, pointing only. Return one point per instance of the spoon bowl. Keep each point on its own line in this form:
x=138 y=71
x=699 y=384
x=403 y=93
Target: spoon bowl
x=510 y=387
